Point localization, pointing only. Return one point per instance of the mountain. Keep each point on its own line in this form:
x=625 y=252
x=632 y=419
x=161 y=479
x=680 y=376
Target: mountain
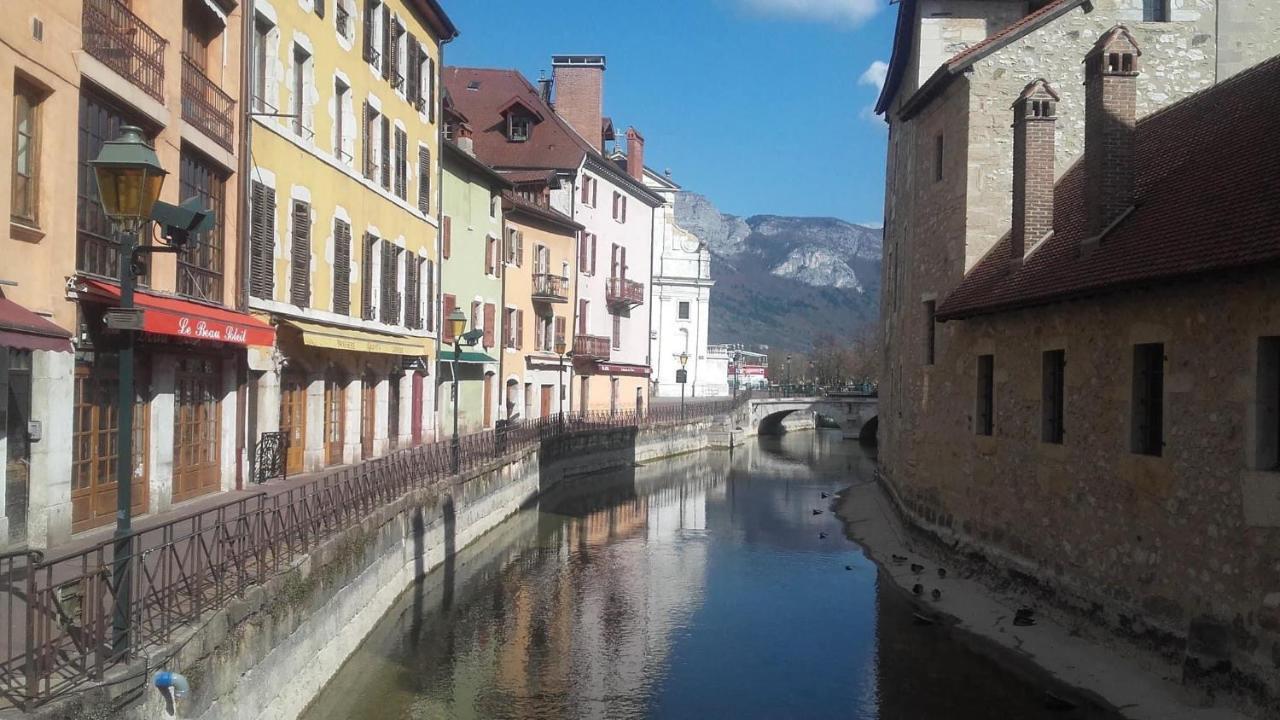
x=781 y=281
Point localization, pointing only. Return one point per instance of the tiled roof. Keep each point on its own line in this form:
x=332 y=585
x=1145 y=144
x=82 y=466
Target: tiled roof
x=1207 y=201
x=529 y=176
x=482 y=95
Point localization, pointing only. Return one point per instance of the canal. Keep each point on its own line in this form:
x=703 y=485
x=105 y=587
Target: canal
x=703 y=586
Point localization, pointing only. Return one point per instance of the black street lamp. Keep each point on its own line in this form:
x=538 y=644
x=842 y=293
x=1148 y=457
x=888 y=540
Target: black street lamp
x=457 y=325
x=561 y=349
x=787 y=388
x=129 y=179
x=684 y=360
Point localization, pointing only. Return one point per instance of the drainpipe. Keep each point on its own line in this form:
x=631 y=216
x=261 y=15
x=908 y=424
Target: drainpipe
x=577 y=280
x=502 y=312
x=648 y=360
x=247 y=20
x=438 y=310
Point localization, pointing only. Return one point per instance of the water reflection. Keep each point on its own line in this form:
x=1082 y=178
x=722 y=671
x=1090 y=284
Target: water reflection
x=703 y=586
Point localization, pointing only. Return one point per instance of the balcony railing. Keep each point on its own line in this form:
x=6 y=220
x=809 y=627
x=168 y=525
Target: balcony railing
x=550 y=288
x=622 y=291
x=593 y=347
x=340 y=19
x=206 y=106
x=122 y=42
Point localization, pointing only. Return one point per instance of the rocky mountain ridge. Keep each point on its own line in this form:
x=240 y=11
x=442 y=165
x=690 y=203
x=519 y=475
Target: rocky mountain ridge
x=783 y=280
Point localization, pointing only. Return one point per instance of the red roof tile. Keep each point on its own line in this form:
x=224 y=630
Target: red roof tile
x=1207 y=201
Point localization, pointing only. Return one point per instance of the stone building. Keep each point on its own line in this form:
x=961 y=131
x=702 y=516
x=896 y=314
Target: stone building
x=1081 y=377
x=344 y=239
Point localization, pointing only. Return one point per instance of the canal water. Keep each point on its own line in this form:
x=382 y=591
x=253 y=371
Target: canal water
x=703 y=586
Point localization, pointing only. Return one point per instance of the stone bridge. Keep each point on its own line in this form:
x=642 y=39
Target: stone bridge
x=856 y=414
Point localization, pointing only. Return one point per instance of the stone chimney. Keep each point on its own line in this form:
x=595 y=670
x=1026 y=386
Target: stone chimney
x=635 y=154
x=544 y=89
x=579 y=82
x=1034 y=116
x=465 y=141
x=1110 y=117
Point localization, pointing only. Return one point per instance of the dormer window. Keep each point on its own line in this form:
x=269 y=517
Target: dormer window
x=518 y=127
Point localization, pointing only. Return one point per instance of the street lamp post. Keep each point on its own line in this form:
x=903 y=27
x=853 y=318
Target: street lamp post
x=561 y=349
x=787 y=388
x=457 y=325
x=684 y=360
x=813 y=377
x=129 y=179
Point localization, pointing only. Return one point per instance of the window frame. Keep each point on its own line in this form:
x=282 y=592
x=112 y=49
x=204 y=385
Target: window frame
x=33 y=98
x=984 y=416
x=1147 y=404
x=208 y=250
x=1156 y=11
x=1267 y=420
x=683 y=309
x=1053 y=387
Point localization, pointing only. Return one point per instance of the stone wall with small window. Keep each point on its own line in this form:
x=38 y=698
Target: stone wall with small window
x=1173 y=527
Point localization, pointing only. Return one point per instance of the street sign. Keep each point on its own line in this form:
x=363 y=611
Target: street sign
x=682 y=376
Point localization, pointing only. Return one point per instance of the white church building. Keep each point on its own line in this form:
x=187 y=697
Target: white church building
x=680 y=299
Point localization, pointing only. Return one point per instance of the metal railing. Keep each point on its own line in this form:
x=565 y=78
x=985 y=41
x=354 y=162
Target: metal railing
x=550 y=288
x=622 y=291
x=595 y=347
x=206 y=106
x=126 y=44
x=57 y=631
x=340 y=19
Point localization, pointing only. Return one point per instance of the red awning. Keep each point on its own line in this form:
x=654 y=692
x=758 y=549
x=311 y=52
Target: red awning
x=622 y=369
x=24 y=330
x=164 y=315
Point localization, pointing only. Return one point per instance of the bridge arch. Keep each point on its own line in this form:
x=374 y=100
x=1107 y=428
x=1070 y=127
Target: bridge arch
x=765 y=416
x=870 y=432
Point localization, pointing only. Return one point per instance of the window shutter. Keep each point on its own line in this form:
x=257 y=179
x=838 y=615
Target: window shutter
x=386 y=152
x=413 y=83
x=519 y=249
x=402 y=164
x=476 y=319
x=263 y=231
x=431 y=296
x=341 y=267
x=595 y=187
x=410 y=291
x=490 y=317
x=519 y=329
x=447 y=231
x=393 y=54
x=424 y=180
x=582 y=317
x=559 y=328
x=386 y=41
x=622 y=264
x=582 y=250
x=431 y=89
x=300 y=255
x=319 y=7
x=369 y=10
x=366 y=278
x=449 y=304
x=366 y=145
x=593 y=253
x=586 y=189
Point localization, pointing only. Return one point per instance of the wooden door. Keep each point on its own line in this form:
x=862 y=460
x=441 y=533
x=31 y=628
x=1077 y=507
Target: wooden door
x=416 y=421
x=368 y=408
x=197 y=436
x=547 y=400
x=335 y=414
x=488 y=400
x=94 y=427
x=293 y=420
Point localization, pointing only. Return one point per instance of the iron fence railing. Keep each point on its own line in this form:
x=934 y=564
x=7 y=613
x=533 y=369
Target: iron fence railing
x=124 y=43
x=206 y=106
x=57 y=625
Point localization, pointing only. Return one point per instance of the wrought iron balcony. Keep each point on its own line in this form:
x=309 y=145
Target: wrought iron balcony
x=624 y=292
x=341 y=18
x=550 y=288
x=122 y=42
x=206 y=106
x=593 y=347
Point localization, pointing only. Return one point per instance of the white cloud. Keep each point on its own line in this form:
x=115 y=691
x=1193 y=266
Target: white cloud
x=875 y=74
x=843 y=12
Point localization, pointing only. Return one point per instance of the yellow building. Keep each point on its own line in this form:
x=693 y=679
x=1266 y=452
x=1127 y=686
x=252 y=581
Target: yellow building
x=538 y=300
x=343 y=252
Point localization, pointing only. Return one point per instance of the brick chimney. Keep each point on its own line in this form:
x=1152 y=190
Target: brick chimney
x=1110 y=109
x=1034 y=122
x=635 y=154
x=579 y=83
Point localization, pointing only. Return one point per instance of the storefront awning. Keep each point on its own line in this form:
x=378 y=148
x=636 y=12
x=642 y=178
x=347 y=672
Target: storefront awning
x=365 y=341
x=622 y=369
x=467 y=357
x=165 y=315
x=22 y=329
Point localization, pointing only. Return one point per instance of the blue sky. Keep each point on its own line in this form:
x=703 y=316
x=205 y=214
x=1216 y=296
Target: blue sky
x=762 y=105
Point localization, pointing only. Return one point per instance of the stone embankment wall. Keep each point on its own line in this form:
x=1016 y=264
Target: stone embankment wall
x=266 y=655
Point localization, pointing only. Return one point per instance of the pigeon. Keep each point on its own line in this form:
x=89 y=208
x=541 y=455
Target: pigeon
x=1024 y=617
x=917 y=589
x=817 y=511
x=822 y=536
x=917 y=568
x=942 y=572
x=936 y=594
x=899 y=559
